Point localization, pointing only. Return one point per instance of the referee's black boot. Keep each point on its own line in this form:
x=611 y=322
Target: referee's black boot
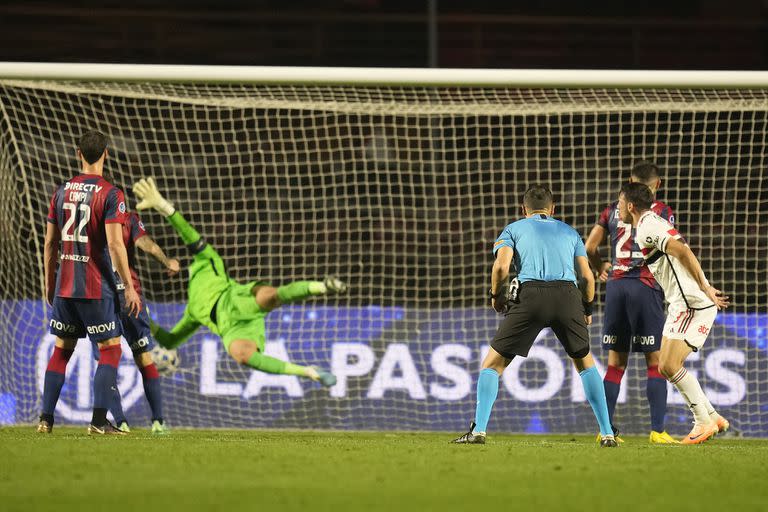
x=470 y=437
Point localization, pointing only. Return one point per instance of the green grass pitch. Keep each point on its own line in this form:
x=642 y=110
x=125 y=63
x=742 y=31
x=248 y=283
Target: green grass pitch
x=238 y=470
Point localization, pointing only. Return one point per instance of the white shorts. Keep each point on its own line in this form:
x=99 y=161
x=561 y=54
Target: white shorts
x=689 y=325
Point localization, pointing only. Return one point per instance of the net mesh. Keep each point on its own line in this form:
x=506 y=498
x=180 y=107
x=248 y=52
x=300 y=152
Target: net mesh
x=400 y=191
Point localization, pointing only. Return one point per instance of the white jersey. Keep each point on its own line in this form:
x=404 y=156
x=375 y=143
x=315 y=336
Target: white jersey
x=680 y=288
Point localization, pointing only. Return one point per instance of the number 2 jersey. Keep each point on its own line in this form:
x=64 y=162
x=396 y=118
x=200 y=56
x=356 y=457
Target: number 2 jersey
x=680 y=288
x=81 y=208
x=626 y=256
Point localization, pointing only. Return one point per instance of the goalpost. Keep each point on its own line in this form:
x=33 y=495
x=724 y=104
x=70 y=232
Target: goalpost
x=397 y=181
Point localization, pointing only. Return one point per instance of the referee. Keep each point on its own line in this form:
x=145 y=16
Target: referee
x=549 y=255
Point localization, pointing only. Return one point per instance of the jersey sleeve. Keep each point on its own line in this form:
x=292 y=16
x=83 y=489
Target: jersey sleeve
x=602 y=221
x=655 y=233
x=114 y=207
x=52 y=215
x=579 y=249
x=137 y=228
x=668 y=214
x=505 y=239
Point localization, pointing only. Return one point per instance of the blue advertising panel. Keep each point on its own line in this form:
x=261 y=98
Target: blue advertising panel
x=397 y=368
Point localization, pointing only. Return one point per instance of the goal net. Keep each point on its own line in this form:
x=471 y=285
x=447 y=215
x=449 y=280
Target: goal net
x=400 y=190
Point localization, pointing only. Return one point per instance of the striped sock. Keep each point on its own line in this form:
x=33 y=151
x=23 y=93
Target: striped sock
x=691 y=391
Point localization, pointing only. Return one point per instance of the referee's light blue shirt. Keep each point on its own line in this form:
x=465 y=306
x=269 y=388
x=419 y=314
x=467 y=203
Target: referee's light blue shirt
x=544 y=247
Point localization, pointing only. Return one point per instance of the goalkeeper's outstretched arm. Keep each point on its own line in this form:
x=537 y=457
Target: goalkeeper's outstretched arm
x=179 y=334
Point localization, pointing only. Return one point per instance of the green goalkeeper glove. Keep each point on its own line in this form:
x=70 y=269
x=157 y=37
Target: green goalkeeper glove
x=150 y=197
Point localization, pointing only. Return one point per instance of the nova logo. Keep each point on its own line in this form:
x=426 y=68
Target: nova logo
x=140 y=343
x=645 y=340
x=609 y=340
x=101 y=328
x=62 y=327
x=76 y=400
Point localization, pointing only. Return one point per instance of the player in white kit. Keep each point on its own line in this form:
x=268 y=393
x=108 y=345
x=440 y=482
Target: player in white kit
x=693 y=303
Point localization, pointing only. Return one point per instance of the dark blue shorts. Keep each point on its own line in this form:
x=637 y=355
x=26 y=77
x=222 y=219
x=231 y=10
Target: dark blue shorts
x=135 y=331
x=99 y=319
x=633 y=318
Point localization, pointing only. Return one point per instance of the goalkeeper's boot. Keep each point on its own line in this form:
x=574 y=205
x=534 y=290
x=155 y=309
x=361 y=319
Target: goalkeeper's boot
x=107 y=429
x=334 y=285
x=325 y=378
x=661 y=438
x=159 y=428
x=700 y=433
x=471 y=437
x=44 y=427
x=722 y=424
x=608 y=441
x=124 y=427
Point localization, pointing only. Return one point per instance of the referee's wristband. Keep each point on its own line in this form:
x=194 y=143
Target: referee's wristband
x=587 y=308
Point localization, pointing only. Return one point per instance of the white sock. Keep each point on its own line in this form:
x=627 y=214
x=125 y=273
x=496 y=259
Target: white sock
x=694 y=396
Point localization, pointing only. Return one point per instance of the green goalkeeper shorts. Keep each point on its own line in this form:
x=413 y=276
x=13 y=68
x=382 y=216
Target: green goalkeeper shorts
x=239 y=317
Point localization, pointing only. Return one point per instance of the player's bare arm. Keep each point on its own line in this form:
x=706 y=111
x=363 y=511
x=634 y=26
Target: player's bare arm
x=597 y=237
x=149 y=246
x=685 y=256
x=120 y=260
x=51 y=257
x=586 y=283
x=499 y=274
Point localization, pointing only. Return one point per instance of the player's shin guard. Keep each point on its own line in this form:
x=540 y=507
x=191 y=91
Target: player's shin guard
x=595 y=393
x=656 y=391
x=54 y=380
x=151 y=379
x=189 y=236
x=299 y=290
x=691 y=391
x=612 y=385
x=104 y=382
x=487 y=391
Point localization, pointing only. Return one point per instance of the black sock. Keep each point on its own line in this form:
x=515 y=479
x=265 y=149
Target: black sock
x=99 y=417
x=47 y=417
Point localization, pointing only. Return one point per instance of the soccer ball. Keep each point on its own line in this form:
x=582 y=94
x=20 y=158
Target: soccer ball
x=166 y=360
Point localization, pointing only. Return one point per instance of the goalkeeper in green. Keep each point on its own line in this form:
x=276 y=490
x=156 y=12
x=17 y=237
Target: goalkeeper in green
x=233 y=311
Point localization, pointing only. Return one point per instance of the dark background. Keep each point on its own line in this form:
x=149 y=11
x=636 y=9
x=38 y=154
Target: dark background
x=687 y=34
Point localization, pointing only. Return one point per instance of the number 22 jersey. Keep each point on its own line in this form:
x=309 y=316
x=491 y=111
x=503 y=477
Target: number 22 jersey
x=81 y=208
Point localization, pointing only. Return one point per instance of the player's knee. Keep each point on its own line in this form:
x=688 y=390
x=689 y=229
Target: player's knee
x=669 y=368
x=142 y=359
x=242 y=352
x=266 y=297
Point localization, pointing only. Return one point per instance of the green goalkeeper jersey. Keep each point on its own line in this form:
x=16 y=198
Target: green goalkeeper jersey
x=208 y=280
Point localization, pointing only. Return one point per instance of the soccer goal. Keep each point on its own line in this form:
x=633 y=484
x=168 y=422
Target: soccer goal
x=397 y=181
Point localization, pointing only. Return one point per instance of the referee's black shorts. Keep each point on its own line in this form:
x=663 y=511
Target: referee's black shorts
x=555 y=304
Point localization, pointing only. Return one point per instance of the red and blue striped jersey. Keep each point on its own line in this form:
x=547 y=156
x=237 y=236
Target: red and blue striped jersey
x=81 y=208
x=627 y=258
x=133 y=229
